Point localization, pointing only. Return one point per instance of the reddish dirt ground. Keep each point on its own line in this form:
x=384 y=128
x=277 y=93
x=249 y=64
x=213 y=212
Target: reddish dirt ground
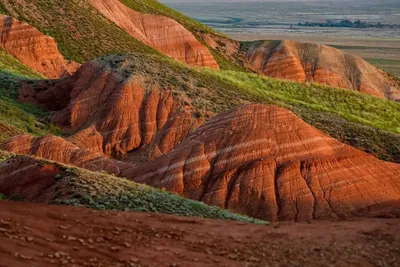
x=39 y=235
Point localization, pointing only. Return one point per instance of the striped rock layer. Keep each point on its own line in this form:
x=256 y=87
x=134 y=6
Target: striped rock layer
x=34 y=49
x=58 y=149
x=109 y=111
x=265 y=162
x=162 y=33
x=302 y=62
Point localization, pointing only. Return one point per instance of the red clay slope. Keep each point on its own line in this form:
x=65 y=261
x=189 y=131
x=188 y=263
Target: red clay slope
x=162 y=33
x=32 y=179
x=33 y=48
x=116 y=113
x=38 y=235
x=58 y=149
x=303 y=62
x=265 y=162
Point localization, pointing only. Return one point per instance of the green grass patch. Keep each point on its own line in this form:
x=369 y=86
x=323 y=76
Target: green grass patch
x=156 y=8
x=81 y=32
x=106 y=192
x=350 y=105
x=391 y=66
x=8 y=64
x=17 y=118
x=346 y=115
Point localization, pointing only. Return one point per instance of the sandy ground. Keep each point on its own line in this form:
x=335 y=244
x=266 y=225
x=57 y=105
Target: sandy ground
x=38 y=235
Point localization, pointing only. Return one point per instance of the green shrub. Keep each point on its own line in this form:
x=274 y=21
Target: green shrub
x=16 y=197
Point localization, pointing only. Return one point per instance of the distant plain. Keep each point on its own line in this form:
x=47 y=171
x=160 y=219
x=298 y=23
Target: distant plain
x=271 y=20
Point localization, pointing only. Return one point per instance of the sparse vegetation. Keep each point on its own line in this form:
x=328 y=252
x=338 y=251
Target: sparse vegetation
x=4 y=155
x=156 y=8
x=360 y=120
x=391 y=66
x=365 y=122
x=81 y=32
x=3 y=10
x=350 y=105
x=105 y=192
x=16 y=197
x=15 y=117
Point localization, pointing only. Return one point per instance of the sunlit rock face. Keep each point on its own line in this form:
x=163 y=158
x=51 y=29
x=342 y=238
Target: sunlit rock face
x=162 y=33
x=322 y=64
x=34 y=49
x=265 y=162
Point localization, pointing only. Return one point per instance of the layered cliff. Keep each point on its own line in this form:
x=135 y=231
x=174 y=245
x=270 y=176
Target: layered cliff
x=110 y=109
x=265 y=162
x=163 y=34
x=302 y=62
x=34 y=49
x=58 y=149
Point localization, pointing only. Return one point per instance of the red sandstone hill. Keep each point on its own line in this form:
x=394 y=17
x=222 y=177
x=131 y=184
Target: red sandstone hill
x=115 y=111
x=265 y=162
x=58 y=149
x=302 y=62
x=34 y=49
x=258 y=160
x=162 y=33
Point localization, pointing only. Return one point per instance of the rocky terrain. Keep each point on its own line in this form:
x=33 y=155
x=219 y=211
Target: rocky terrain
x=265 y=162
x=58 y=149
x=168 y=116
x=110 y=110
x=257 y=160
x=34 y=49
x=322 y=64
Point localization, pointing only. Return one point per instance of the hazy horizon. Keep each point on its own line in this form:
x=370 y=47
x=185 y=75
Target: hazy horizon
x=243 y=1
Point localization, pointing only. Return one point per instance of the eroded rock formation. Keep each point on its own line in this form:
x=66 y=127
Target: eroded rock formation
x=30 y=178
x=265 y=162
x=303 y=62
x=109 y=110
x=34 y=49
x=58 y=149
x=162 y=33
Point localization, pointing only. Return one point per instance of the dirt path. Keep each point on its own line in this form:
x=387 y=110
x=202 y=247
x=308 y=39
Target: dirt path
x=37 y=235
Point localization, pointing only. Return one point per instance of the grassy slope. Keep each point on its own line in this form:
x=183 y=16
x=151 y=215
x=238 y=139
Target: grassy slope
x=80 y=31
x=368 y=123
x=20 y=118
x=79 y=187
x=103 y=191
x=156 y=8
x=83 y=34
x=391 y=66
x=329 y=110
x=350 y=105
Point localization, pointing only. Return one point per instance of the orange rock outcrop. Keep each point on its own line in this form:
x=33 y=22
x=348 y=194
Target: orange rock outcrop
x=303 y=62
x=29 y=178
x=34 y=49
x=58 y=149
x=265 y=162
x=118 y=114
x=162 y=33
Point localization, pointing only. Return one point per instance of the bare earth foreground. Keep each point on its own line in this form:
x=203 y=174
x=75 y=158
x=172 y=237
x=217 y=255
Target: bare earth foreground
x=38 y=235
